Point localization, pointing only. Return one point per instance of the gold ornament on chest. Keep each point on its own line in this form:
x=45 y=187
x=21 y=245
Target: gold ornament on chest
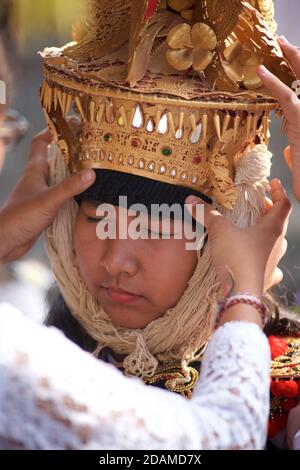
x=175 y=379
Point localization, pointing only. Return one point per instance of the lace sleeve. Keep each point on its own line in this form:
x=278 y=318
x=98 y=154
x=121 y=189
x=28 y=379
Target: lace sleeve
x=55 y=396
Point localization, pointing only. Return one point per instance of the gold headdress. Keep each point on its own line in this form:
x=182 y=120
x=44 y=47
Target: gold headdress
x=167 y=90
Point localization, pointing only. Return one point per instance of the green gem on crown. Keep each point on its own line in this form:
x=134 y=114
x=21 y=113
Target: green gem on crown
x=166 y=151
x=107 y=137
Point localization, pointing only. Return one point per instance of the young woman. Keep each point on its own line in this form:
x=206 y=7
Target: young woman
x=196 y=131
x=122 y=313
x=61 y=398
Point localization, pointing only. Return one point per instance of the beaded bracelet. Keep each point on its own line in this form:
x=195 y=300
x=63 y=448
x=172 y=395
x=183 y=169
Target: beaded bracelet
x=241 y=298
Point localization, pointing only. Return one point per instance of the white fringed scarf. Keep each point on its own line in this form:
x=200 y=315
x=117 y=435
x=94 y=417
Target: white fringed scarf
x=183 y=330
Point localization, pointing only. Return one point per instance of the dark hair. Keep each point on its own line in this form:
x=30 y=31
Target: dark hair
x=59 y=316
x=111 y=184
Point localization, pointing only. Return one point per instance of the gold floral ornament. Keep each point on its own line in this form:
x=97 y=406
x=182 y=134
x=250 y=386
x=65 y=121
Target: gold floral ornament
x=241 y=64
x=266 y=8
x=184 y=7
x=190 y=46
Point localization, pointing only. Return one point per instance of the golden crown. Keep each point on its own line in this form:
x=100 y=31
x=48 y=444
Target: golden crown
x=165 y=89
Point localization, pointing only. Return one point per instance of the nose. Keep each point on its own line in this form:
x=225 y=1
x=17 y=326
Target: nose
x=119 y=257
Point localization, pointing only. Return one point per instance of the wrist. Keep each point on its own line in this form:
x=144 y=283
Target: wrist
x=241 y=306
x=241 y=312
x=253 y=287
x=243 y=281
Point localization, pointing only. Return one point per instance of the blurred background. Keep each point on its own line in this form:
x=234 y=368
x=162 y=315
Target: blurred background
x=30 y=25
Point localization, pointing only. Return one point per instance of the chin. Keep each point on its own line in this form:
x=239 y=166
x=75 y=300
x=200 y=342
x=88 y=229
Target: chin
x=132 y=324
x=123 y=319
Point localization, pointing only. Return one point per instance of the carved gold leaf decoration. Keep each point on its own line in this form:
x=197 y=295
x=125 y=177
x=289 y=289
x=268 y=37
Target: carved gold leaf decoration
x=266 y=8
x=180 y=37
x=187 y=14
x=142 y=40
x=221 y=15
x=190 y=46
x=255 y=30
x=107 y=28
x=223 y=189
x=180 y=5
x=252 y=33
x=241 y=64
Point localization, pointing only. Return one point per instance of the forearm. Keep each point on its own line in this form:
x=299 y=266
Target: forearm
x=14 y=235
x=234 y=387
x=93 y=406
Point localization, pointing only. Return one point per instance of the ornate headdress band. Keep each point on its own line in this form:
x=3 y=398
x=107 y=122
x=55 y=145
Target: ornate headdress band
x=166 y=90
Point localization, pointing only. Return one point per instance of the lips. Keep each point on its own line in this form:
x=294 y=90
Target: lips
x=120 y=295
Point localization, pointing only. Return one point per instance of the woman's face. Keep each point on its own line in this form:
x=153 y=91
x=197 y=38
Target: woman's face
x=135 y=281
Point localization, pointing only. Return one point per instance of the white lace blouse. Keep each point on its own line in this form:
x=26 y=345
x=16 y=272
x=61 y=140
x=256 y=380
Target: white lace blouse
x=53 y=395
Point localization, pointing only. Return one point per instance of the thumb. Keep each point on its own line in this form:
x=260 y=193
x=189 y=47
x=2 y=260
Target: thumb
x=210 y=214
x=70 y=187
x=278 y=215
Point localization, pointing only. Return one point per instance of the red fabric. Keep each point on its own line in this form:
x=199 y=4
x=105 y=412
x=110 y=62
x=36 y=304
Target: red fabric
x=284 y=388
x=273 y=428
x=151 y=9
x=288 y=404
x=289 y=388
x=278 y=346
x=275 y=388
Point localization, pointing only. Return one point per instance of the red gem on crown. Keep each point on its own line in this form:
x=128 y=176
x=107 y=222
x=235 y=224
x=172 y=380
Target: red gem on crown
x=136 y=143
x=196 y=159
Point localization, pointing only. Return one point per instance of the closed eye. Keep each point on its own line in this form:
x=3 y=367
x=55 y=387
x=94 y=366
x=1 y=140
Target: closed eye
x=91 y=219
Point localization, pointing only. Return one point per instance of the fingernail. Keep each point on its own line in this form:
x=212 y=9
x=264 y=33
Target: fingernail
x=283 y=39
x=276 y=181
x=87 y=176
x=263 y=70
x=193 y=200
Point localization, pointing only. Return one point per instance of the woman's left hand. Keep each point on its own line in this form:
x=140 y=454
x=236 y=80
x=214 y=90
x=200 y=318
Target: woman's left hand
x=33 y=205
x=248 y=257
x=291 y=107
